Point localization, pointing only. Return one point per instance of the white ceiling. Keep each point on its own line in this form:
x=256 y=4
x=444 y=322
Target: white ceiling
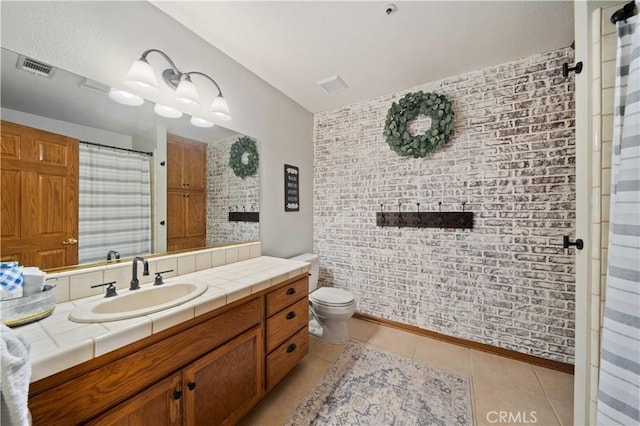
x=293 y=45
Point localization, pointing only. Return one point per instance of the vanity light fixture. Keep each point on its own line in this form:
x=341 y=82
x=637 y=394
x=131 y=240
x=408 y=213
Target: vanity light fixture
x=142 y=77
x=125 y=97
x=167 y=111
x=200 y=122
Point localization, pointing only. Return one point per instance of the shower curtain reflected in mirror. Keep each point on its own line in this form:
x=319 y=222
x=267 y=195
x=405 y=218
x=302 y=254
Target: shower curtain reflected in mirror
x=115 y=203
x=619 y=382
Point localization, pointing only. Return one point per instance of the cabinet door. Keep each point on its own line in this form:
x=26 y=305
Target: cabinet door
x=195 y=214
x=176 y=214
x=160 y=405
x=222 y=386
x=186 y=164
x=195 y=166
x=175 y=160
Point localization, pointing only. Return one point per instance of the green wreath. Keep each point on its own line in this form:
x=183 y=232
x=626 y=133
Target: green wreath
x=437 y=107
x=243 y=157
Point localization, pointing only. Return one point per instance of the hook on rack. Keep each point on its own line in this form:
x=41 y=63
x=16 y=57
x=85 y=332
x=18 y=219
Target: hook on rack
x=439 y=221
x=462 y=219
x=565 y=69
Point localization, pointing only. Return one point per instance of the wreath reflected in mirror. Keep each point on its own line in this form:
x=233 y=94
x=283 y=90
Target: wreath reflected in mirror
x=411 y=107
x=243 y=157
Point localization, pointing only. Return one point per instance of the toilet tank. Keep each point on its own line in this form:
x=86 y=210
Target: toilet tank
x=314 y=269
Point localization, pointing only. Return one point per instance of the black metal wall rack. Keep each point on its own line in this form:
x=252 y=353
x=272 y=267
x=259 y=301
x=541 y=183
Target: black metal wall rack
x=418 y=219
x=244 y=217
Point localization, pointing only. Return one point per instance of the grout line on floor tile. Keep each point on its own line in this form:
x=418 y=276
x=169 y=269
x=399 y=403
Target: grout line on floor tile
x=546 y=394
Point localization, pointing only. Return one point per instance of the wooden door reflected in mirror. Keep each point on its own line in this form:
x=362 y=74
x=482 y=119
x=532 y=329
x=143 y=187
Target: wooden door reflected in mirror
x=39 y=197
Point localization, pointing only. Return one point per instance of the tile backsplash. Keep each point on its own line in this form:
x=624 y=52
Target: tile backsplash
x=76 y=284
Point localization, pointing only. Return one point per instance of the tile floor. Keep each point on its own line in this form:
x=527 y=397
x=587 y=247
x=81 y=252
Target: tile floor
x=533 y=395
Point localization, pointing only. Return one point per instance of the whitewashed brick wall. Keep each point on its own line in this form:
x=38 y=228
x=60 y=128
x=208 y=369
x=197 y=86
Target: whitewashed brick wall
x=511 y=158
x=228 y=192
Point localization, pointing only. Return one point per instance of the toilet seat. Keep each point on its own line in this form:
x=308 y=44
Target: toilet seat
x=329 y=296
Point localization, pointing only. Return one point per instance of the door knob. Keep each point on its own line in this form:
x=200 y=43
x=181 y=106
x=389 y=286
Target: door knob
x=71 y=241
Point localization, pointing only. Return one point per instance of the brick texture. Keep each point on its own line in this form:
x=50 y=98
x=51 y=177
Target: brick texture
x=511 y=158
x=228 y=192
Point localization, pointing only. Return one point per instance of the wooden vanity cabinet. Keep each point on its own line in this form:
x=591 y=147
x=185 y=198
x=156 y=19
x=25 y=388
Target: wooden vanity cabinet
x=207 y=371
x=79 y=394
x=222 y=386
x=217 y=389
x=160 y=405
x=287 y=331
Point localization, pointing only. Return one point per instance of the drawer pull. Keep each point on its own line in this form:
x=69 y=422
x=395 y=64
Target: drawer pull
x=291 y=291
x=291 y=315
x=177 y=394
x=192 y=385
x=292 y=347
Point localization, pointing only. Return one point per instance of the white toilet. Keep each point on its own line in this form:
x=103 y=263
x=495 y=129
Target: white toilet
x=329 y=308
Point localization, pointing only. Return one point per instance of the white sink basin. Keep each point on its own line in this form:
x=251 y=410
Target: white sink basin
x=137 y=303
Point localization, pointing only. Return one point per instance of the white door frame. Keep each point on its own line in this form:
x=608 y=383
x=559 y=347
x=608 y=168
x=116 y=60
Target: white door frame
x=582 y=391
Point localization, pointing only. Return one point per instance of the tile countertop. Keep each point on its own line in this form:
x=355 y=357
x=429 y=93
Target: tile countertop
x=58 y=343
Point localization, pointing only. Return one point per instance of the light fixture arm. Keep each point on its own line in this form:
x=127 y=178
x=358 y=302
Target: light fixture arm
x=164 y=55
x=173 y=75
x=209 y=78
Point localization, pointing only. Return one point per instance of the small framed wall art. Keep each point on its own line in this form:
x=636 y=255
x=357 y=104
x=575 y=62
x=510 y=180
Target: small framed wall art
x=291 y=188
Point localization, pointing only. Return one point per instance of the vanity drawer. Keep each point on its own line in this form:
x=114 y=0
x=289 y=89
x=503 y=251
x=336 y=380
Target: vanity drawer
x=285 y=323
x=284 y=296
x=286 y=356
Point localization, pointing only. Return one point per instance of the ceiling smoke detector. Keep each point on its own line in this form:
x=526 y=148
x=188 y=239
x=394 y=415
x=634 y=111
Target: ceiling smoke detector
x=35 y=67
x=333 y=84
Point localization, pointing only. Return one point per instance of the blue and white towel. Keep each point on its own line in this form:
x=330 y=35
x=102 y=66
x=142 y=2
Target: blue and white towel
x=11 y=280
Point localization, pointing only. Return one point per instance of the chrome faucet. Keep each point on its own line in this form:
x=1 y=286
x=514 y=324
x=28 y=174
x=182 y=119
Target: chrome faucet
x=135 y=284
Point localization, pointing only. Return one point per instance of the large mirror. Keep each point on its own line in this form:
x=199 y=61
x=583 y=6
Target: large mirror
x=67 y=104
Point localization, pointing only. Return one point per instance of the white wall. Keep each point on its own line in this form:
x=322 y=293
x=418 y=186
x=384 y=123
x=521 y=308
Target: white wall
x=99 y=40
x=83 y=133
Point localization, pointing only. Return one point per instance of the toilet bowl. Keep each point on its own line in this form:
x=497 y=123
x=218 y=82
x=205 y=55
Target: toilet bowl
x=329 y=308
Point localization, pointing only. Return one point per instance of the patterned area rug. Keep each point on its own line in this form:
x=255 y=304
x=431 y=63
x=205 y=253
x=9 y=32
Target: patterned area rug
x=367 y=386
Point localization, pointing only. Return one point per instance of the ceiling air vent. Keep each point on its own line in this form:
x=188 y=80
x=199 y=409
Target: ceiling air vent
x=35 y=67
x=333 y=84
